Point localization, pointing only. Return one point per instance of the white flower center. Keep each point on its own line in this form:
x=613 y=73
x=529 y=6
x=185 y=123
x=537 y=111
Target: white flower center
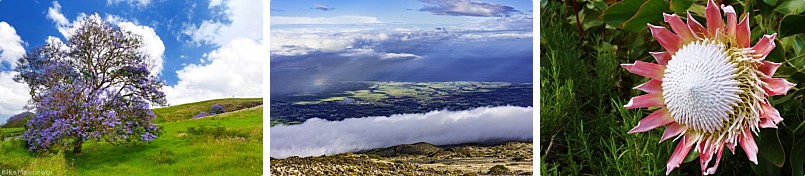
x=699 y=86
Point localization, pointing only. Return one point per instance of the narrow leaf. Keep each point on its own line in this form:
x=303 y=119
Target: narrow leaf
x=619 y=12
x=650 y=12
x=790 y=7
x=797 y=163
x=770 y=148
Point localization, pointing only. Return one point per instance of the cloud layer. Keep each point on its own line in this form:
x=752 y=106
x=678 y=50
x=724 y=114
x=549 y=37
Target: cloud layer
x=467 y=8
x=320 y=137
x=300 y=57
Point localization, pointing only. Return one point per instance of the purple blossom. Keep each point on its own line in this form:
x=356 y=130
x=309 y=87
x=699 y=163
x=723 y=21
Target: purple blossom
x=200 y=115
x=216 y=109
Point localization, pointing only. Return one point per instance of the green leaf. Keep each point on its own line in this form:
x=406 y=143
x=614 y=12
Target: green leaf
x=650 y=12
x=790 y=7
x=680 y=6
x=782 y=99
x=600 y=5
x=764 y=167
x=770 y=148
x=797 y=163
x=799 y=77
x=692 y=155
x=619 y=12
x=791 y=24
x=777 y=54
x=696 y=10
x=798 y=61
x=770 y=2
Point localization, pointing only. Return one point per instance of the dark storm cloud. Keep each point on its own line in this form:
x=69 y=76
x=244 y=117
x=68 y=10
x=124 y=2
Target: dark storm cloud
x=322 y=7
x=467 y=8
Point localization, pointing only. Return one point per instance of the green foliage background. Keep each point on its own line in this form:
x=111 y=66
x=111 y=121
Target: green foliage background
x=583 y=123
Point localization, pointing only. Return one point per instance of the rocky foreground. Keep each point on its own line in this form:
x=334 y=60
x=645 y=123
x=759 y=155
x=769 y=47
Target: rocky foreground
x=512 y=158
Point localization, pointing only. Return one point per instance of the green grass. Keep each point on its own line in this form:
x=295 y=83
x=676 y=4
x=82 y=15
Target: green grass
x=12 y=130
x=224 y=144
x=367 y=95
x=187 y=111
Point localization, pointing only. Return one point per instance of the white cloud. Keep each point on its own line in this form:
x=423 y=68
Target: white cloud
x=214 y=3
x=62 y=24
x=318 y=137
x=140 y=3
x=235 y=69
x=152 y=44
x=275 y=20
x=244 y=21
x=10 y=44
x=400 y=56
x=302 y=41
x=15 y=95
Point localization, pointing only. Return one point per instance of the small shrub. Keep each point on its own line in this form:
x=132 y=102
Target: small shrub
x=498 y=169
x=373 y=156
x=200 y=115
x=518 y=159
x=216 y=109
x=165 y=156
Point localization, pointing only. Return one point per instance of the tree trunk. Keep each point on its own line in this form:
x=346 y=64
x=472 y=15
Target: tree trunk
x=77 y=147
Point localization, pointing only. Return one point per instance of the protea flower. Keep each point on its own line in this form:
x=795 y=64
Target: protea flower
x=710 y=86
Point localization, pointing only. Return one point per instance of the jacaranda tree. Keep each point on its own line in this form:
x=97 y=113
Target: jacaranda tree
x=94 y=86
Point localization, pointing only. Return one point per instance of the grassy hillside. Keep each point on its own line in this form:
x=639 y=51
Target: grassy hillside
x=187 y=111
x=224 y=144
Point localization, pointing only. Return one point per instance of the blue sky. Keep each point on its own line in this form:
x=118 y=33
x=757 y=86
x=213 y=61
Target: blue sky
x=200 y=46
x=400 y=40
x=392 y=11
x=31 y=22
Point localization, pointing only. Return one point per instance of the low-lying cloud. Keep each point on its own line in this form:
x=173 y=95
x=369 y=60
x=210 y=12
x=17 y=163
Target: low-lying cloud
x=318 y=137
